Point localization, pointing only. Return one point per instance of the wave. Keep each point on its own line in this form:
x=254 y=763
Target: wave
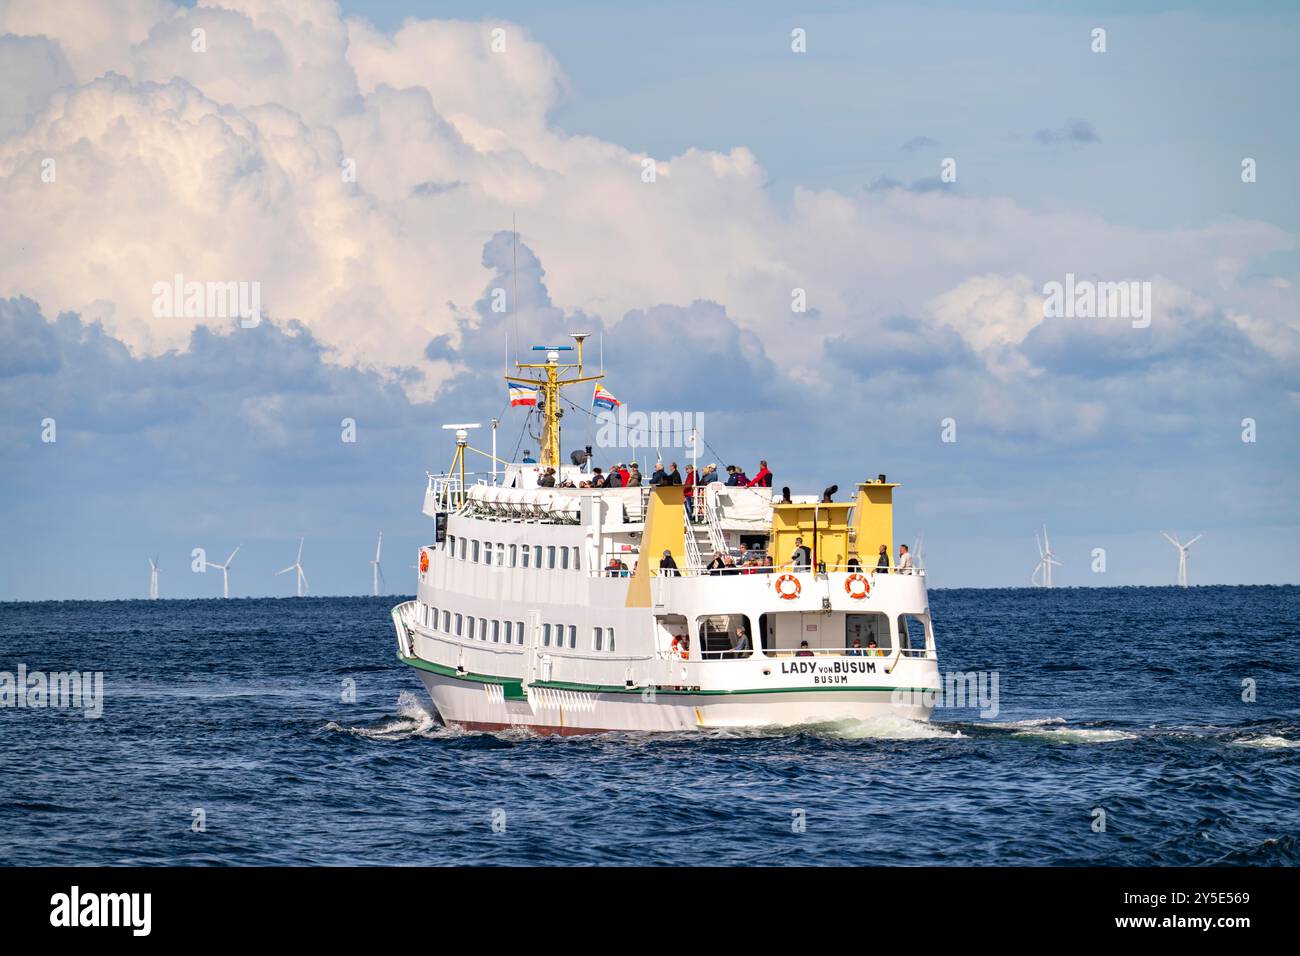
x=1268 y=741
x=413 y=720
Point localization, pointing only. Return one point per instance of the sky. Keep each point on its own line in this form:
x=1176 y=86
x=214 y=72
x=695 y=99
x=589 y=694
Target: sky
x=918 y=174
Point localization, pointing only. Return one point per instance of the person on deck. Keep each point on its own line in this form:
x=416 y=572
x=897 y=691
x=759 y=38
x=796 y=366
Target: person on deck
x=856 y=650
x=615 y=479
x=633 y=476
x=715 y=566
x=740 y=646
x=882 y=563
x=690 y=491
x=529 y=459
x=597 y=479
x=904 y=565
x=761 y=480
x=667 y=566
x=658 y=476
x=801 y=559
x=548 y=479
x=709 y=475
x=674 y=477
x=803 y=650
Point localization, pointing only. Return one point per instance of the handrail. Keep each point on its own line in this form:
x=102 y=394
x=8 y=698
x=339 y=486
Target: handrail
x=694 y=560
x=765 y=569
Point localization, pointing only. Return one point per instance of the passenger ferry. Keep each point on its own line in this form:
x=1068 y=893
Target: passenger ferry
x=553 y=608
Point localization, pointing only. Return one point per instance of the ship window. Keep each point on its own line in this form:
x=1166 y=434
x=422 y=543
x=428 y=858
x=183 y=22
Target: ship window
x=519 y=631
x=911 y=634
x=487 y=552
x=431 y=617
x=546 y=635
x=446 y=621
x=550 y=558
x=537 y=557
x=496 y=631
x=458 y=623
x=524 y=553
x=514 y=554
x=451 y=545
x=573 y=637
x=559 y=635
x=867 y=628
x=577 y=563
x=609 y=638
x=597 y=638
x=462 y=549
x=469 y=628
x=482 y=629
x=564 y=559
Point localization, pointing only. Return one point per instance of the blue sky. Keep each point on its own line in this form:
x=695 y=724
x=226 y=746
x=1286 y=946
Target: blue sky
x=778 y=170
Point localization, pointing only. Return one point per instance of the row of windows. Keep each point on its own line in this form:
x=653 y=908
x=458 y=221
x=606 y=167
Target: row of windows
x=512 y=632
x=514 y=555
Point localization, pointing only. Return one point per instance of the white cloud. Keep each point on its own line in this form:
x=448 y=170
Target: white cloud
x=226 y=165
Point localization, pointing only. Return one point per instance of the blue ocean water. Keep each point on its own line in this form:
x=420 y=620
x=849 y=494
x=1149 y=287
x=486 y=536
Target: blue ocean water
x=1125 y=700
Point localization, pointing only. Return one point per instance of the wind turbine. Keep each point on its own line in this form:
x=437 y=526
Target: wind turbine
x=297 y=565
x=153 y=578
x=1182 y=555
x=1046 y=561
x=225 y=571
x=377 y=573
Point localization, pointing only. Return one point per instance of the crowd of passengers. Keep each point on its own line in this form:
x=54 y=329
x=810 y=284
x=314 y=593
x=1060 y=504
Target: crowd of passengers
x=761 y=563
x=628 y=475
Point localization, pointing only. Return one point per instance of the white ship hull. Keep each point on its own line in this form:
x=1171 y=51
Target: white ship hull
x=475 y=706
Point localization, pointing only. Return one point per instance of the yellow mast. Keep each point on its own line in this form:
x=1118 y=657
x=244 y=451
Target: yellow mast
x=550 y=386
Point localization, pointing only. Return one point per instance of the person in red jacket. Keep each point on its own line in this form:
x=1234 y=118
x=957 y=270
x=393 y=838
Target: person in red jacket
x=689 y=491
x=763 y=479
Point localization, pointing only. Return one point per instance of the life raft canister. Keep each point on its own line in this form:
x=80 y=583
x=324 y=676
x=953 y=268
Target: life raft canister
x=857 y=586
x=782 y=581
x=424 y=561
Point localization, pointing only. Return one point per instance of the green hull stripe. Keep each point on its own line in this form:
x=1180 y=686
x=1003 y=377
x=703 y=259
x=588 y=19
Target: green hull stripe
x=514 y=690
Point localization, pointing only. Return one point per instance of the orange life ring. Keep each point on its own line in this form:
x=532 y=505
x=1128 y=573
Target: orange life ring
x=853 y=592
x=782 y=592
x=424 y=561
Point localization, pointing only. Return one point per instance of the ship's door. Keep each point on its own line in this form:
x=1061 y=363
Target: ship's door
x=810 y=629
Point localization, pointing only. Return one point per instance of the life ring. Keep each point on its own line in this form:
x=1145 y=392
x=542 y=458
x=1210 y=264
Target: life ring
x=782 y=592
x=424 y=561
x=856 y=593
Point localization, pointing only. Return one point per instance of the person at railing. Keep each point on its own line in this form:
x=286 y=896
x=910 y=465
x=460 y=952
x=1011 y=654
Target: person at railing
x=801 y=560
x=873 y=649
x=882 y=562
x=803 y=650
x=761 y=480
x=709 y=475
x=615 y=479
x=528 y=458
x=658 y=476
x=667 y=566
x=904 y=565
x=616 y=568
x=856 y=650
x=715 y=566
x=597 y=479
x=785 y=496
x=729 y=565
x=736 y=477
x=674 y=477
x=689 y=491
x=740 y=646
x=633 y=479
x=548 y=479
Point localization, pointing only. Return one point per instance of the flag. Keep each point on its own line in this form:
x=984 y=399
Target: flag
x=604 y=398
x=521 y=394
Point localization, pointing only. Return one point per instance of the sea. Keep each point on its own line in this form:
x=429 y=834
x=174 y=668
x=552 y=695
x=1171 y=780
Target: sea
x=1132 y=726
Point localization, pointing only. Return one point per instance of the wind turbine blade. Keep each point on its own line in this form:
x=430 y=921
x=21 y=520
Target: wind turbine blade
x=289 y=568
x=303 y=574
x=1194 y=540
x=378 y=546
x=1171 y=540
x=300 y=541
x=233 y=553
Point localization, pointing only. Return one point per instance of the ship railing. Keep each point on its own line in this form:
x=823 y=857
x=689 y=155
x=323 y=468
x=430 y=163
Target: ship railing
x=739 y=569
x=784 y=653
x=445 y=492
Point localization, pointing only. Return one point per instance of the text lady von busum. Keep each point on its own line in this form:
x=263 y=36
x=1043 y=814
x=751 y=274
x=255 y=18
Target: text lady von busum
x=102 y=909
